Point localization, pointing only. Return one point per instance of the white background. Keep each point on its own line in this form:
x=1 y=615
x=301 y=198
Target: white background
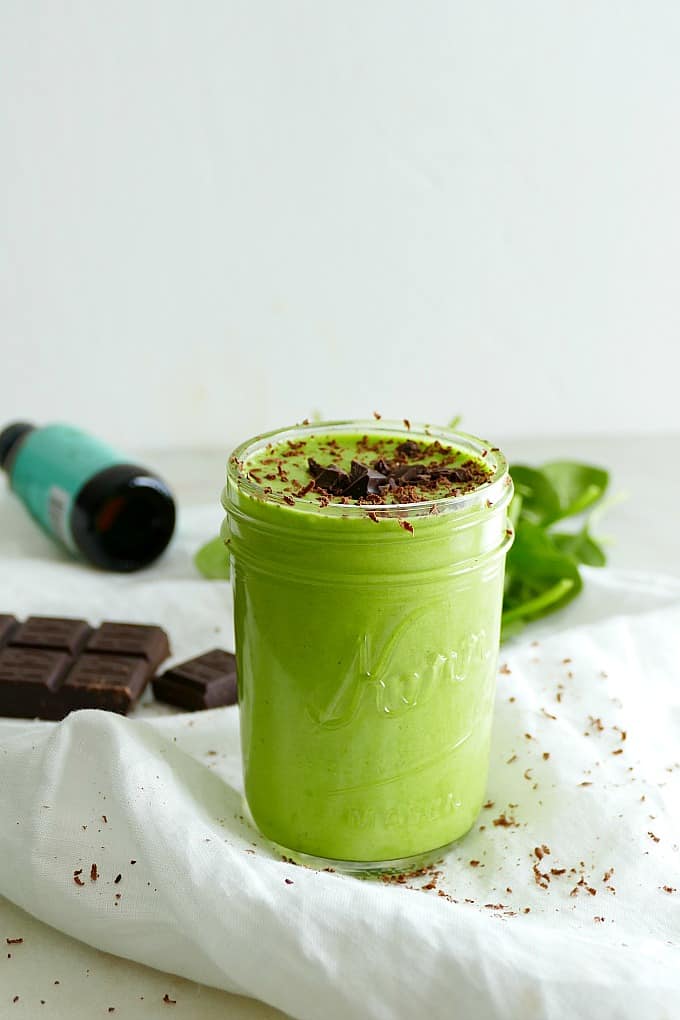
x=218 y=216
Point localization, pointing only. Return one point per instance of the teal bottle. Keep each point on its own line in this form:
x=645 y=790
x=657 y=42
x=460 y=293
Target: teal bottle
x=115 y=514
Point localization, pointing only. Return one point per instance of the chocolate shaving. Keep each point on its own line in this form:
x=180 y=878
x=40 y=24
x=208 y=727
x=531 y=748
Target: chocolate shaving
x=402 y=480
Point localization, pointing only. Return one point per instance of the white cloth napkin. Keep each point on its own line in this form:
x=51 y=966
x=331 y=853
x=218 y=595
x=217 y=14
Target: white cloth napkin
x=586 y=763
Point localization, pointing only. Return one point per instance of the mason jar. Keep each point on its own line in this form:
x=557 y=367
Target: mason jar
x=367 y=656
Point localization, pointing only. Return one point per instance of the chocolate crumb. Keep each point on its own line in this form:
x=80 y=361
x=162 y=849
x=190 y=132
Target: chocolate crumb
x=377 y=416
x=117 y=879
x=489 y=804
x=505 y=669
x=93 y=873
x=407 y=526
x=14 y=942
x=669 y=888
x=505 y=822
x=288 y=881
x=78 y=880
x=407 y=423
x=652 y=836
x=168 y=1001
x=474 y=864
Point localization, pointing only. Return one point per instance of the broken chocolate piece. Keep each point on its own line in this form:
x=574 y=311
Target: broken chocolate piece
x=409 y=447
x=333 y=479
x=111 y=682
x=376 y=482
x=358 y=481
x=29 y=682
x=208 y=681
x=59 y=634
x=150 y=643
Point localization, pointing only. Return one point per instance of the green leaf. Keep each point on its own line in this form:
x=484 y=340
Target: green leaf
x=578 y=486
x=540 y=577
x=212 y=560
x=540 y=502
x=581 y=546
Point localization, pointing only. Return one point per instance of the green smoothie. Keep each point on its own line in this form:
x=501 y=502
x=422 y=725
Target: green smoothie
x=367 y=564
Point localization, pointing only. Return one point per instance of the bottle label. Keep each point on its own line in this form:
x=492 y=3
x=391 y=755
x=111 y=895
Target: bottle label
x=52 y=465
x=59 y=512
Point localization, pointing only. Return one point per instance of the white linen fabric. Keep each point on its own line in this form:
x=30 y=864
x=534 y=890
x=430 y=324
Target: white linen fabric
x=585 y=765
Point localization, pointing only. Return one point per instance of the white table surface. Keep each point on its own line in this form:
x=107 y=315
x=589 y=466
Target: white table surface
x=642 y=532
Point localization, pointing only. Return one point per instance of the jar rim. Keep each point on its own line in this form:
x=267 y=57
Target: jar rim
x=487 y=494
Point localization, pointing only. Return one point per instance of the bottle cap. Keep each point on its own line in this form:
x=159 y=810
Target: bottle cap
x=9 y=438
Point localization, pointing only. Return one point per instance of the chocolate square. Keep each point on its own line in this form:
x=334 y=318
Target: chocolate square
x=58 y=633
x=207 y=681
x=29 y=682
x=110 y=682
x=150 y=643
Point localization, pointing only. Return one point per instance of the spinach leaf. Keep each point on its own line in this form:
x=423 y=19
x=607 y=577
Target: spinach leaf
x=212 y=560
x=540 y=499
x=578 y=486
x=542 y=569
x=581 y=546
x=539 y=577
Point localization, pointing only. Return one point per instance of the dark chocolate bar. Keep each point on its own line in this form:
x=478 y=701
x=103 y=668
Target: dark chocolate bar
x=57 y=633
x=208 y=681
x=46 y=671
x=150 y=643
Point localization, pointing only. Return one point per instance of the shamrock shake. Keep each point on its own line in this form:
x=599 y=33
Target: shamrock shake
x=367 y=565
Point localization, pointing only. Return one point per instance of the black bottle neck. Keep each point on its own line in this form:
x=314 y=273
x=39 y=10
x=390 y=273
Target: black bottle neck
x=11 y=438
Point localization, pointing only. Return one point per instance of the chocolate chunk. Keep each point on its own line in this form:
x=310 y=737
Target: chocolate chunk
x=333 y=479
x=111 y=682
x=207 y=681
x=413 y=473
x=59 y=634
x=358 y=480
x=150 y=643
x=7 y=625
x=460 y=474
x=409 y=448
x=376 y=482
x=315 y=468
x=29 y=682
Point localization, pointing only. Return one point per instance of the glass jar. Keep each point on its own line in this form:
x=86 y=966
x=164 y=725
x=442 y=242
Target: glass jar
x=366 y=657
